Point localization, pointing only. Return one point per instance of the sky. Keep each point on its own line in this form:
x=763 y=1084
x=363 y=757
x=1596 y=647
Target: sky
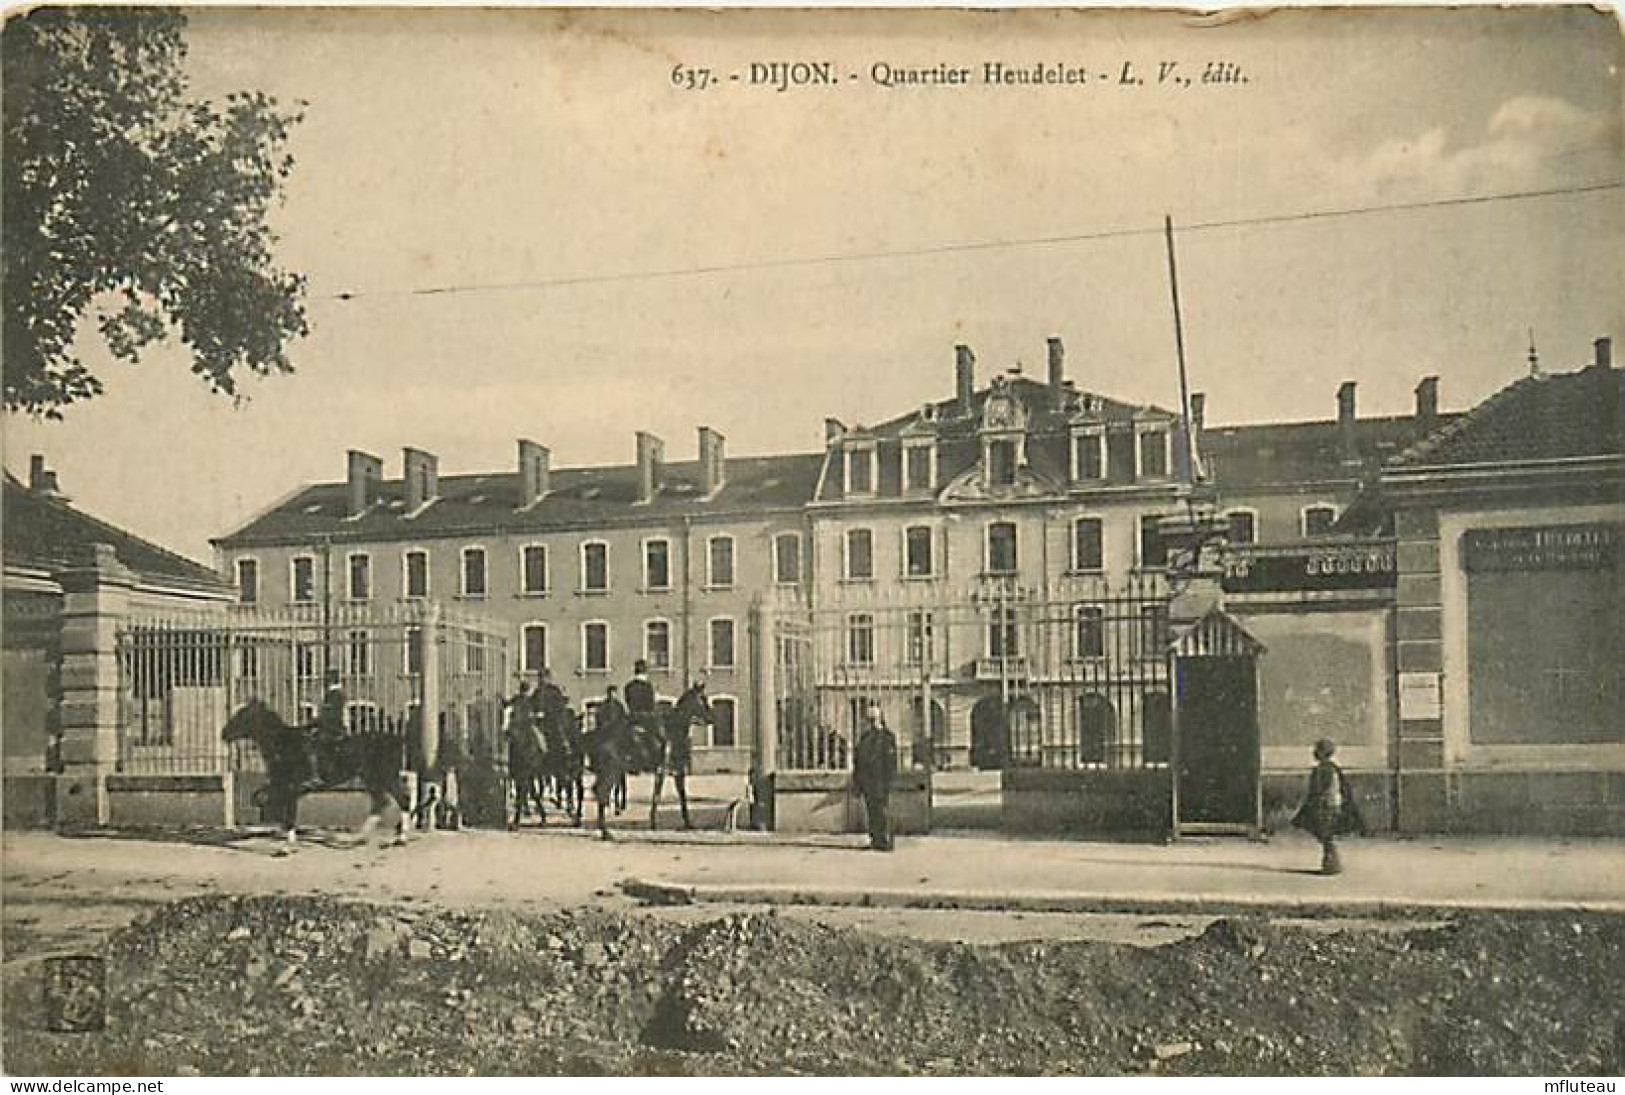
x=545 y=166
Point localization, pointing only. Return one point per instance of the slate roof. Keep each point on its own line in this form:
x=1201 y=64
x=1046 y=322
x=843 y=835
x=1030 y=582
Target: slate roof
x=578 y=498
x=1288 y=453
x=47 y=532
x=958 y=439
x=1561 y=416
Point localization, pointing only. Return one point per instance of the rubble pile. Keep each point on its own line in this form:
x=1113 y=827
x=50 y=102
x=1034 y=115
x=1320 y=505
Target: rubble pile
x=280 y=985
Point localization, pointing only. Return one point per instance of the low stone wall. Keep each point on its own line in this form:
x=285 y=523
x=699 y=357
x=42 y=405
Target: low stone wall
x=1131 y=803
x=29 y=801
x=1528 y=803
x=1284 y=791
x=171 y=801
x=826 y=802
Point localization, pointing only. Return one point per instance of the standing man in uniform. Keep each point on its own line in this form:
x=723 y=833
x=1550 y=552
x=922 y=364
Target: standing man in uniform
x=875 y=767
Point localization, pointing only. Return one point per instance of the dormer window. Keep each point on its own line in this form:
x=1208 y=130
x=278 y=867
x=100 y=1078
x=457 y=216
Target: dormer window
x=919 y=466
x=1152 y=453
x=1089 y=456
x=860 y=470
x=1001 y=463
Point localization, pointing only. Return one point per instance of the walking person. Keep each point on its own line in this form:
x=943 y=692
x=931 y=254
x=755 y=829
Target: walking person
x=1329 y=810
x=874 y=770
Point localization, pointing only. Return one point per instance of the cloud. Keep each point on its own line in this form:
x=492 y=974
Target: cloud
x=1529 y=140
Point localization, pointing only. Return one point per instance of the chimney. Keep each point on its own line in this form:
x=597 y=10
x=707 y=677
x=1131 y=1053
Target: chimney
x=651 y=455
x=964 y=378
x=1427 y=405
x=1602 y=353
x=535 y=472
x=712 y=464
x=1057 y=372
x=365 y=472
x=41 y=479
x=422 y=478
x=1345 y=422
x=833 y=429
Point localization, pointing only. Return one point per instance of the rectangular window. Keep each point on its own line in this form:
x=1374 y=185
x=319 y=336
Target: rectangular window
x=304 y=579
x=533 y=569
x=417 y=574
x=1001 y=463
x=414 y=650
x=595 y=647
x=1087 y=544
x=656 y=565
x=1091 y=639
x=360 y=654
x=360 y=577
x=248 y=581
x=1001 y=548
x=920 y=640
x=917 y=552
x=1318 y=520
x=533 y=642
x=860 y=639
x=1153 y=552
x=1243 y=527
x=657 y=644
x=1002 y=638
x=474 y=653
x=1089 y=456
x=304 y=661
x=860 y=553
x=860 y=471
x=1154 y=454
x=787 y=558
x=720 y=562
x=917 y=461
x=724 y=715
x=595 y=566
x=248 y=662
x=474 y=572
x=722 y=644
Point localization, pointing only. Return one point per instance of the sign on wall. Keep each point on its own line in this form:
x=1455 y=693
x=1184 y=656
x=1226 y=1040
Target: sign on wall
x=1420 y=696
x=1321 y=567
x=1548 y=547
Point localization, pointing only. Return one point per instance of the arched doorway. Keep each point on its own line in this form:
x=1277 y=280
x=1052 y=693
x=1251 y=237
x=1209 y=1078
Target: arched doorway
x=989 y=733
x=1097 y=730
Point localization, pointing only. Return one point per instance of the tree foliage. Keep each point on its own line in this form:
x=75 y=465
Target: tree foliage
x=126 y=198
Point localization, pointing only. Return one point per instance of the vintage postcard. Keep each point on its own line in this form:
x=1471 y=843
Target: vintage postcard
x=775 y=542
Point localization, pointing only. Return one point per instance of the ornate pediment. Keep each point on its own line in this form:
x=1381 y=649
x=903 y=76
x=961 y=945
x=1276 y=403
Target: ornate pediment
x=973 y=486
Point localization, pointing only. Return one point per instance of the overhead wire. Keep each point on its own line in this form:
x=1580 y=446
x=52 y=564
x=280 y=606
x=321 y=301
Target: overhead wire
x=571 y=281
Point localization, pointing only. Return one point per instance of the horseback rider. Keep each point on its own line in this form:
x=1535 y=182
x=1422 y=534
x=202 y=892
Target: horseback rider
x=678 y=755
x=328 y=733
x=647 y=739
x=609 y=738
x=527 y=751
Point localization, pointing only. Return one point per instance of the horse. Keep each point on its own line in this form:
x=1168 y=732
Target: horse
x=675 y=750
x=374 y=756
x=566 y=761
x=527 y=765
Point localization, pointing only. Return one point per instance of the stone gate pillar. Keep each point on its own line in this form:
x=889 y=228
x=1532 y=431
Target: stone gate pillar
x=95 y=604
x=765 y=754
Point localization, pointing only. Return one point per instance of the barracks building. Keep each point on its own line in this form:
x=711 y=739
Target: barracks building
x=1439 y=592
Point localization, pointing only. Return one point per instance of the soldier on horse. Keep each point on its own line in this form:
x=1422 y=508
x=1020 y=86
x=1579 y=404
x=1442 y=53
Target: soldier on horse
x=676 y=755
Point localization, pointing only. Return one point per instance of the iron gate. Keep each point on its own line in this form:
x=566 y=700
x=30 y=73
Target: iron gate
x=1069 y=676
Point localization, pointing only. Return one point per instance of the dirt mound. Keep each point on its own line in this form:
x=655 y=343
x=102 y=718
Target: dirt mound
x=306 y=985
